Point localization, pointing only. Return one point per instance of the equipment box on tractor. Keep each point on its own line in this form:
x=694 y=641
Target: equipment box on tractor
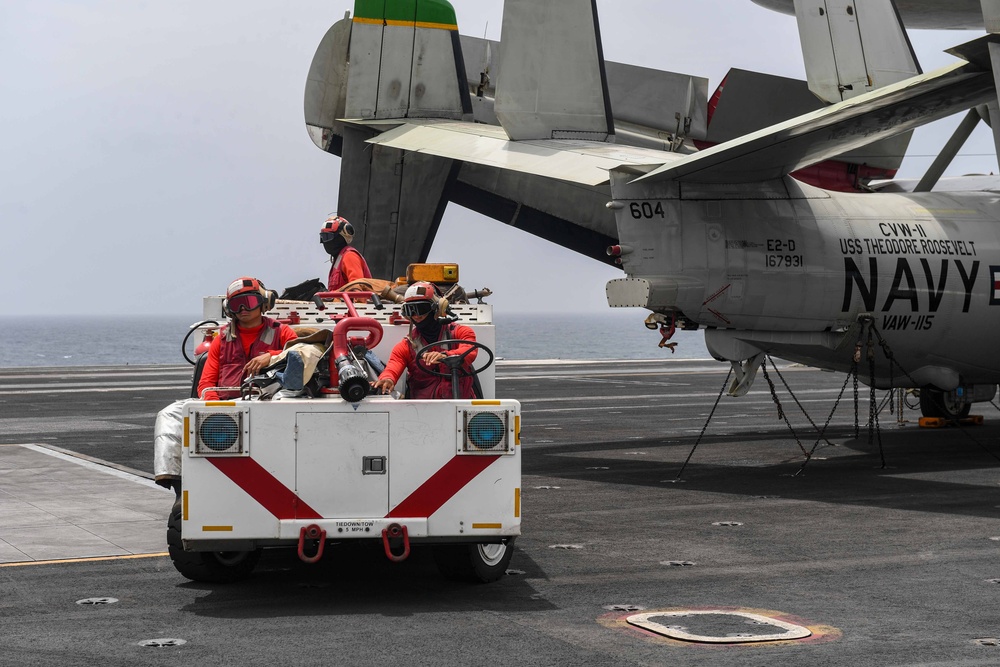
x=307 y=473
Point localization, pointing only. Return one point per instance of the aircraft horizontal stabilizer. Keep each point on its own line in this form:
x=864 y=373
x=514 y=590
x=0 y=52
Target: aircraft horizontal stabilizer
x=778 y=150
x=576 y=161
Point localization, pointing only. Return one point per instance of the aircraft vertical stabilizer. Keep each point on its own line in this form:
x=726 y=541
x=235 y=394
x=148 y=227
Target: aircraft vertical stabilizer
x=851 y=48
x=566 y=99
x=398 y=53
x=991 y=18
x=404 y=60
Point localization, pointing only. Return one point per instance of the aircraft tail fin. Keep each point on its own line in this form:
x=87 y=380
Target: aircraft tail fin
x=393 y=60
x=851 y=48
x=566 y=99
x=991 y=19
x=398 y=52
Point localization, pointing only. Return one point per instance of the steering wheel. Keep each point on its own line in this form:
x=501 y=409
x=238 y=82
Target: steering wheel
x=454 y=362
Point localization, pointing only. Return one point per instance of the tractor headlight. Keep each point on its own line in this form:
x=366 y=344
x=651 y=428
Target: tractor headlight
x=219 y=432
x=485 y=432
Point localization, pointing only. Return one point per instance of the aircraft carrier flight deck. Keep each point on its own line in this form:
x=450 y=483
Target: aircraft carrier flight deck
x=884 y=547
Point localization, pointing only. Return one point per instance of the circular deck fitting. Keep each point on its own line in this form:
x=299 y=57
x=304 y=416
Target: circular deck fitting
x=987 y=641
x=717 y=626
x=727 y=524
x=623 y=607
x=162 y=643
x=677 y=563
x=97 y=601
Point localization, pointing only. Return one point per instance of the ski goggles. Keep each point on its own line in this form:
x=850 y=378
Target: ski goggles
x=326 y=237
x=417 y=308
x=246 y=301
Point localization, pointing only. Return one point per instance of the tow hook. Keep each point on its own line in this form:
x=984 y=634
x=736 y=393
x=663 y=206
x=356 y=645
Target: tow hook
x=311 y=532
x=396 y=533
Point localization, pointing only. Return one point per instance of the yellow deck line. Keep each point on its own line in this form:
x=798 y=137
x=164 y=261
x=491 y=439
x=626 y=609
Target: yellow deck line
x=94 y=559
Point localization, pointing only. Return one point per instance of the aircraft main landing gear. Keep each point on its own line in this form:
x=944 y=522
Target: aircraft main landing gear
x=943 y=404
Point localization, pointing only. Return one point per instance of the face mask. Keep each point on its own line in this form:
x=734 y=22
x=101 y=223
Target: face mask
x=429 y=329
x=335 y=246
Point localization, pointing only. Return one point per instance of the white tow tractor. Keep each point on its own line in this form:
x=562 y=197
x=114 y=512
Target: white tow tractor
x=344 y=464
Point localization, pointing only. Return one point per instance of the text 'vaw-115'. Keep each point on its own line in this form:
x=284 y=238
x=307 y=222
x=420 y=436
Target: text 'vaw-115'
x=778 y=232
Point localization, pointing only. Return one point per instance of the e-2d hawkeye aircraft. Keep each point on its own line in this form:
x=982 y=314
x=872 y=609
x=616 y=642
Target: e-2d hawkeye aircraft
x=547 y=136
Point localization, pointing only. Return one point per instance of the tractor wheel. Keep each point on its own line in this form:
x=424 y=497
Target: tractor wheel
x=476 y=563
x=217 y=567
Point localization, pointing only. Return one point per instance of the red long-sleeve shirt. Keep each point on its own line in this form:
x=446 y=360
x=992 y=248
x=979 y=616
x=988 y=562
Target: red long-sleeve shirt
x=403 y=356
x=210 y=374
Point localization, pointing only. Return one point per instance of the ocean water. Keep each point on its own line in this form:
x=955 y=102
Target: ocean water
x=156 y=339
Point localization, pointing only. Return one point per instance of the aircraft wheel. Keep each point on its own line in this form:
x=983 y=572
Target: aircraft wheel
x=476 y=563
x=937 y=403
x=217 y=567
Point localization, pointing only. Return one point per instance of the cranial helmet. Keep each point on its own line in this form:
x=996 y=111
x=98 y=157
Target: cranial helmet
x=420 y=291
x=336 y=225
x=419 y=299
x=248 y=293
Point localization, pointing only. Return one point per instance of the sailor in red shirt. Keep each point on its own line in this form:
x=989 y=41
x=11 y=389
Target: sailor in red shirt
x=243 y=348
x=348 y=263
x=420 y=307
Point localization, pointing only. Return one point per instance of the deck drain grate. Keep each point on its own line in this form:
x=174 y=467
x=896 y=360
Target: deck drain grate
x=624 y=607
x=565 y=546
x=96 y=601
x=515 y=573
x=987 y=641
x=718 y=626
x=546 y=488
x=728 y=524
x=162 y=643
x=677 y=563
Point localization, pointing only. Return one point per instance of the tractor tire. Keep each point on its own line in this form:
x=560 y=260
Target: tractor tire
x=216 y=567
x=475 y=563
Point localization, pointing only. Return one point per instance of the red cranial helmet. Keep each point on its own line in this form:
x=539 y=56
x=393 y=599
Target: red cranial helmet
x=335 y=225
x=247 y=293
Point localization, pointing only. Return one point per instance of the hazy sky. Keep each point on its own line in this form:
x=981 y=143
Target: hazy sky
x=154 y=151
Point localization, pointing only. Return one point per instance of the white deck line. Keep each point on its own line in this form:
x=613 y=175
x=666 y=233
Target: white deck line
x=96 y=466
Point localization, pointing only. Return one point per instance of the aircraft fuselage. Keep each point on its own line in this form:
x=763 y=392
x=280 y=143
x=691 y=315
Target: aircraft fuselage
x=791 y=275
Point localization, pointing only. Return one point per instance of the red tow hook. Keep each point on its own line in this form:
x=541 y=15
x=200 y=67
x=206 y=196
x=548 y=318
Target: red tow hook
x=311 y=532
x=394 y=532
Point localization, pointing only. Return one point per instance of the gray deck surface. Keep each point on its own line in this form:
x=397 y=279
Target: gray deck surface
x=892 y=565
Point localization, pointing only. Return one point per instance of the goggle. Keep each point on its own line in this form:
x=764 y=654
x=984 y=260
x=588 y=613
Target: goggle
x=325 y=237
x=417 y=308
x=245 y=301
